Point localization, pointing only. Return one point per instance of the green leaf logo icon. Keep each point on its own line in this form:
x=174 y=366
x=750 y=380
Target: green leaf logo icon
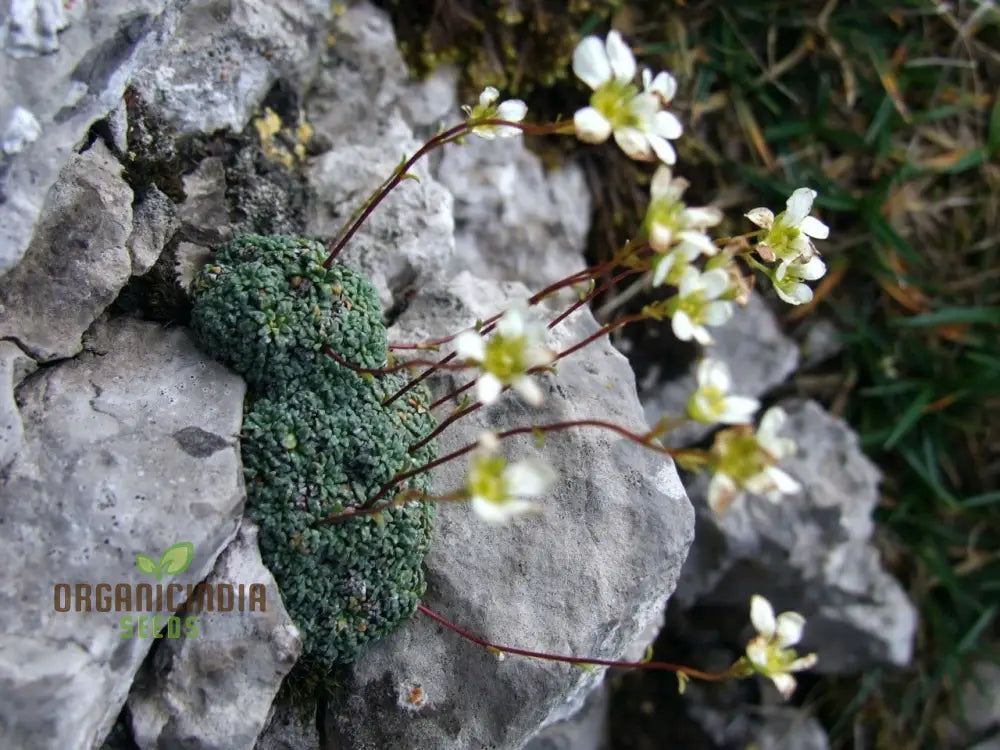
x=145 y=564
x=176 y=559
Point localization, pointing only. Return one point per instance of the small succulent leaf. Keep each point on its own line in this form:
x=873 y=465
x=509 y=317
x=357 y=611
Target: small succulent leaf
x=177 y=558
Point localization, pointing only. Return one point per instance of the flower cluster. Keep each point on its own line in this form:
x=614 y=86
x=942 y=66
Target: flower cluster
x=768 y=653
x=711 y=402
x=743 y=460
x=512 y=110
x=641 y=126
x=498 y=489
x=787 y=238
x=508 y=356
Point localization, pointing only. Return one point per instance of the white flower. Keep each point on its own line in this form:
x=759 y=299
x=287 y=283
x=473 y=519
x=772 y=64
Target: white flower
x=668 y=221
x=788 y=278
x=640 y=126
x=697 y=304
x=744 y=460
x=710 y=403
x=512 y=110
x=517 y=346
x=497 y=489
x=768 y=653
x=787 y=235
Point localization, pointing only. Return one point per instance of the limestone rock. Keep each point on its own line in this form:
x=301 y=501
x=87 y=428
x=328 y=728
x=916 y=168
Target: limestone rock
x=357 y=104
x=15 y=365
x=77 y=262
x=107 y=471
x=586 y=577
x=512 y=219
x=213 y=691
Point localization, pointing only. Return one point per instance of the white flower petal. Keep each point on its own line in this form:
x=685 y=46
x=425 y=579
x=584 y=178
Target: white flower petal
x=699 y=242
x=682 y=326
x=785 y=684
x=714 y=282
x=591 y=126
x=470 y=345
x=488 y=388
x=771 y=423
x=739 y=410
x=661 y=267
x=702 y=336
x=634 y=143
x=812 y=269
x=803 y=662
x=722 y=490
x=660 y=237
x=798 y=206
x=762 y=217
x=528 y=389
x=590 y=62
x=757 y=653
x=713 y=373
x=666 y=125
x=621 y=58
x=513 y=110
x=662 y=185
x=662 y=149
x=789 y=628
x=794 y=294
x=690 y=281
x=489 y=95
x=499 y=512
x=706 y=216
x=814 y=228
x=762 y=616
x=782 y=481
x=488 y=441
x=528 y=478
x=511 y=324
x=663 y=85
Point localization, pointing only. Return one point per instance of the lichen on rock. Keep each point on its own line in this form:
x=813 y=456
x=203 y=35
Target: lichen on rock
x=317 y=438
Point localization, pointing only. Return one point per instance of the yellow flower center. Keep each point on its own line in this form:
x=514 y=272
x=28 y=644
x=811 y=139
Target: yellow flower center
x=613 y=101
x=505 y=357
x=485 y=480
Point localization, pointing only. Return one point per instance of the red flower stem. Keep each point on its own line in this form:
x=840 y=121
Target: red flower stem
x=645 y=439
x=403 y=497
x=594 y=336
x=451 y=419
x=400 y=174
x=395 y=368
x=448 y=396
x=593 y=293
x=661 y=666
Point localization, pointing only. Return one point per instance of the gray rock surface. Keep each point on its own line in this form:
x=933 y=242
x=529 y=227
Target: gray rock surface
x=107 y=471
x=213 y=692
x=586 y=577
x=15 y=366
x=760 y=357
x=357 y=103
x=811 y=552
x=77 y=262
x=512 y=219
x=198 y=66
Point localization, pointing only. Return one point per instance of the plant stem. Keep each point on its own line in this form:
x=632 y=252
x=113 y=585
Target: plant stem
x=440 y=139
x=661 y=666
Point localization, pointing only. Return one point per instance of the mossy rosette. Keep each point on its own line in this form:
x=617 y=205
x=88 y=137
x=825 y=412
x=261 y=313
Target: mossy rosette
x=317 y=439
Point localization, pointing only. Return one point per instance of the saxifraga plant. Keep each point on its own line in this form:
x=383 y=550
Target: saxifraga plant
x=338 y=444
